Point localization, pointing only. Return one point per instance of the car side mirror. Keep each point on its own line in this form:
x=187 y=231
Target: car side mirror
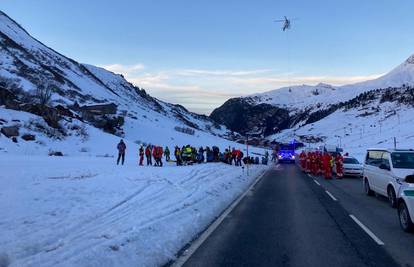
x=382 y=166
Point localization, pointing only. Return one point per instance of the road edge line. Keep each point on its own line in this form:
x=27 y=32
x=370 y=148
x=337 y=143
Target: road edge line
x=213 y=226
x=316 y=182
x=332 y=196
x=366 y=229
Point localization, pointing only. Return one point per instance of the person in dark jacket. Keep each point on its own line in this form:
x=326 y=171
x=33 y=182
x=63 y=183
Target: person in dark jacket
x=121 y=152
x=141 y=156
x=148 y=155
x=167 y=154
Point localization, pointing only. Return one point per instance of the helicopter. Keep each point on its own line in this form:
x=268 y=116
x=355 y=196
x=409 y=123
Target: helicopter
x=286 y=23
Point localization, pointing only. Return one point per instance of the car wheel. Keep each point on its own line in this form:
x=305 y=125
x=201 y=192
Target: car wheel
x=367 y=188
x=404 y=216
x=392 y=197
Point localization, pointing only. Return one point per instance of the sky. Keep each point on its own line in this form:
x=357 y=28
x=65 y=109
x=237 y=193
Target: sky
x=201 y=53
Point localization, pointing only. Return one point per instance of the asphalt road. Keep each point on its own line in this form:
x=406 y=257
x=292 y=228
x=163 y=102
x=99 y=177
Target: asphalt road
x=289 y=220
x=375 y=213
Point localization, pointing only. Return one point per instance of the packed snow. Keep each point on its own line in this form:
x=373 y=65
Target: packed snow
x=86 y=211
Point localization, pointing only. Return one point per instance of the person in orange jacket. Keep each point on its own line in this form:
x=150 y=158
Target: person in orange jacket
x=302 y=159
x=308 y=162
x=339 y=163
x=327 y=167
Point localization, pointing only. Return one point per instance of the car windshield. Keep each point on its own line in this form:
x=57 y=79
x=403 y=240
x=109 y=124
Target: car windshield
x=402 y=160
x=351 y=161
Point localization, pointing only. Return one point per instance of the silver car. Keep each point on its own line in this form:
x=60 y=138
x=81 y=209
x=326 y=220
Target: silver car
x=351 y=167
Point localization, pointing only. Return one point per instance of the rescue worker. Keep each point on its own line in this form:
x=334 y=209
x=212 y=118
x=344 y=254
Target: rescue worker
x=177 y=154
x=148 y=155
x=308 y=162
x=239 y=156
x=141 y=156
x=302 y=160
x=314 y=164
x=159 y=152
x=200 y=155
x=327 y=167
x=121 y=152
x=320 y=160
x=216 y=154
x=339 y=160
x=233 y=157
x=167 y=154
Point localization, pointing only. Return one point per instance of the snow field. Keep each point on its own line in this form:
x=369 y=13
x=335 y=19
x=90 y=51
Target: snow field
x=85 y=211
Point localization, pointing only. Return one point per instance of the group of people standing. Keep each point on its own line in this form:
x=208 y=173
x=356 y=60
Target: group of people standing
x=322 y=163
x=185 y=155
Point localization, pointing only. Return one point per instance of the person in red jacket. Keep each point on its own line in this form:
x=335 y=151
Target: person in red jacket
x=148 y=155
x=339 y=163
x=327 y=167
x=302 y=159
x=160 y=152
x=320 y=167
x=314 y=164
x=308 y=162
x=141 y=156
x=121 y=152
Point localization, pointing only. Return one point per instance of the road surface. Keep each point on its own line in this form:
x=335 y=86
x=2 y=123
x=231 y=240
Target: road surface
x=289 y=219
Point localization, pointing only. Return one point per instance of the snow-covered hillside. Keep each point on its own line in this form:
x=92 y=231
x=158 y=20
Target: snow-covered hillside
x=322 y=95
x=373 y=119
x=90 y=108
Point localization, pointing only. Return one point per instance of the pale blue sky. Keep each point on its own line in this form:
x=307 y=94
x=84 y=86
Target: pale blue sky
x=200 y=53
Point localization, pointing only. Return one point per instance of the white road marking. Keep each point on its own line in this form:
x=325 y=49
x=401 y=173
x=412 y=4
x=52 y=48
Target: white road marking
x=369 y=232
x=329 y=194
x=316 y=182
x=200 y=240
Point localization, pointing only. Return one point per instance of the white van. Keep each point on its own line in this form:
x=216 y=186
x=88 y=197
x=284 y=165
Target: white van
x=385 y=170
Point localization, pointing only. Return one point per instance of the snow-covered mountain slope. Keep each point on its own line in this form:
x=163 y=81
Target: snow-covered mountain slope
x=371 y=120
x=290 y=107
x=322 y=95
x=84 y=104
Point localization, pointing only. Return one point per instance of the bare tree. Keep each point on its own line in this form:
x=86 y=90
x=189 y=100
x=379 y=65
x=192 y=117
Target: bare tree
x=44 y=93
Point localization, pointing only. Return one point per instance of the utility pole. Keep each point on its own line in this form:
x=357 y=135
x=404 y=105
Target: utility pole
x=395 y=143
x=247 y=152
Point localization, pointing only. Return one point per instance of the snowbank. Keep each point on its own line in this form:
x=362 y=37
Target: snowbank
x=86 y=211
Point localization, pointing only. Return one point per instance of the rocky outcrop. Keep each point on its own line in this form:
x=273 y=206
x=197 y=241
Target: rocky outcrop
x=28 y=137
x=10 y=131
x=243 y=116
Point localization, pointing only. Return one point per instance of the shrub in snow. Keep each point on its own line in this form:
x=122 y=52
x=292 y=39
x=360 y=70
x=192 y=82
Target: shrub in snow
x=55 y=153
x=184 y=130
x=79 y=130
x=44 y=91
x=39 y=125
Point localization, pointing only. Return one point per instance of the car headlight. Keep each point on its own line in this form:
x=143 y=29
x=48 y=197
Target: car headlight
x=292 y=157
x=398 y=180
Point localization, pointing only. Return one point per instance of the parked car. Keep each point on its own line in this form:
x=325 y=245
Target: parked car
x=352 y=167
x=385 y=170
x=406 y=204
